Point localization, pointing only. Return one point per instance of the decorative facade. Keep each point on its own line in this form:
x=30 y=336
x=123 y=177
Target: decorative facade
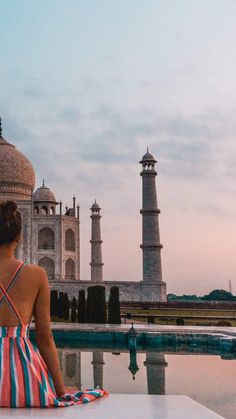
x=55 y=237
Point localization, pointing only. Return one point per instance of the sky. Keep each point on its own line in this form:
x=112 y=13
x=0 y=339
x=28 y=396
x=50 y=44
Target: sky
x=86 y=86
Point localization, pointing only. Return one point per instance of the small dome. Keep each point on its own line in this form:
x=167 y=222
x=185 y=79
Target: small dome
x=17 y=177
x=95 y=206
x=44 y=194
x=148 y=157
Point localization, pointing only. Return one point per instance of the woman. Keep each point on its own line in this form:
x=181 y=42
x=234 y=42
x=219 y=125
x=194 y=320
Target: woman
x=30 y=374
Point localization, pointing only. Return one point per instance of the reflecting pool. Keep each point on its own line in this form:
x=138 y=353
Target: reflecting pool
x=205 y=377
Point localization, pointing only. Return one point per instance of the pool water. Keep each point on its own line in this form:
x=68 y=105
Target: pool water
x=206 y=378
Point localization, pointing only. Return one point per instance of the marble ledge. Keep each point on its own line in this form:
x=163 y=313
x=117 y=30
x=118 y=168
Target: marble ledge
x=125 y=406
x=151 y=328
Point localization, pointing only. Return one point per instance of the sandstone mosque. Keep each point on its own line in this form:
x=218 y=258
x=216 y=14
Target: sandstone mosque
x=51 y=238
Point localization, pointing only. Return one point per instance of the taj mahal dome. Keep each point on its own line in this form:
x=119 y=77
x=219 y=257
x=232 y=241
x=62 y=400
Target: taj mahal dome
x=51 y=238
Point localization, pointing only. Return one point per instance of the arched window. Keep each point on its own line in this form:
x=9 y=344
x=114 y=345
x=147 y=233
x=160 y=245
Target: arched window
x=46 y=238
x=36 y=210
x=70 y=269
x=44 y=210
x=70 y=239
x=49 y=266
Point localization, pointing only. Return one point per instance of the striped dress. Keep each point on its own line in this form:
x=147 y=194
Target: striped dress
x=25 y=380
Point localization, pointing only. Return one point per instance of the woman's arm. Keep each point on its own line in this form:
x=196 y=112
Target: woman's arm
x=44 y=337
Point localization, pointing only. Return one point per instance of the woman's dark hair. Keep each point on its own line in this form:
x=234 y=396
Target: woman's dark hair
x=10 y=222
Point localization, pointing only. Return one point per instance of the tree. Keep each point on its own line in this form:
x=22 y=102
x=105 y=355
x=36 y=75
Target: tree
x=81 y=318
x=114 y=306
x=89 y=308
x=73 y=309
x=54 y=303
x=96 y=304
x=66 y=306
x=219 y=295
x=185 y=297
x=61 y=305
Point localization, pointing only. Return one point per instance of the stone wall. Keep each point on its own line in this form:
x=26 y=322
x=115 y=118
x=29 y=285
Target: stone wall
x=129 y=290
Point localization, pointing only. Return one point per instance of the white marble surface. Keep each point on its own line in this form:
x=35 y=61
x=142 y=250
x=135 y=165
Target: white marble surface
x=152 y=328
x=122 y=406
x=140 y=328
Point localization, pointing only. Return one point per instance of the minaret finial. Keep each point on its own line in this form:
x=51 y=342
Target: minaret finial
x=43 y=182
x=0 y=126
x=147 y=150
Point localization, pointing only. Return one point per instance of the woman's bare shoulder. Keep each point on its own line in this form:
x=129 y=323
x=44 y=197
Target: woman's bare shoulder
x=35 y=270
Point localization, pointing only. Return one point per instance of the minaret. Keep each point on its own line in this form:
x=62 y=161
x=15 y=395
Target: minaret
x=151 y=239
x=96 y=245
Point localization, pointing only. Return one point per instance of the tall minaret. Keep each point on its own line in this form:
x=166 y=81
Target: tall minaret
x=151 y=239
x=96 y=245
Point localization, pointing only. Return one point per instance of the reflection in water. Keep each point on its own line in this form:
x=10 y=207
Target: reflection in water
x=132 y=344
x=98 y=363
x=204 y=377
x=70 y=363
x=133 y=366
x=155 y=364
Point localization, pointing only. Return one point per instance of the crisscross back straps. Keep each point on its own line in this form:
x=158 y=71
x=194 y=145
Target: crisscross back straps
x=12 y=280
x=9 y=301
x=8 y=298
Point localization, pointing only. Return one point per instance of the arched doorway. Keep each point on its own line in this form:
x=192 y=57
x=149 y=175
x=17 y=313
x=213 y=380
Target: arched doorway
x=70 y=269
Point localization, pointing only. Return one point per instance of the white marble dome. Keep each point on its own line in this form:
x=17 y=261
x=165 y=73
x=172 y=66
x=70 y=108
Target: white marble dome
x=44 y=194
x=17 y=177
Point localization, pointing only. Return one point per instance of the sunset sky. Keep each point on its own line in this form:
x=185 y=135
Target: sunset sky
x=86 y=86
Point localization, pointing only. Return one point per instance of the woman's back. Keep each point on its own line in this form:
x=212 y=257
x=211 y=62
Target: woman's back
x=24 y=377
x=30 y=374
x=22 y=283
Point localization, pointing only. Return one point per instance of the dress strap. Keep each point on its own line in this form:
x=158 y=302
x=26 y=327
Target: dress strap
x=10 y=303
x=13 y=278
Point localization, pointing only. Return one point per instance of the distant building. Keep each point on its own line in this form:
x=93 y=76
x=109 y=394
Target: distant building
x=51 y=239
